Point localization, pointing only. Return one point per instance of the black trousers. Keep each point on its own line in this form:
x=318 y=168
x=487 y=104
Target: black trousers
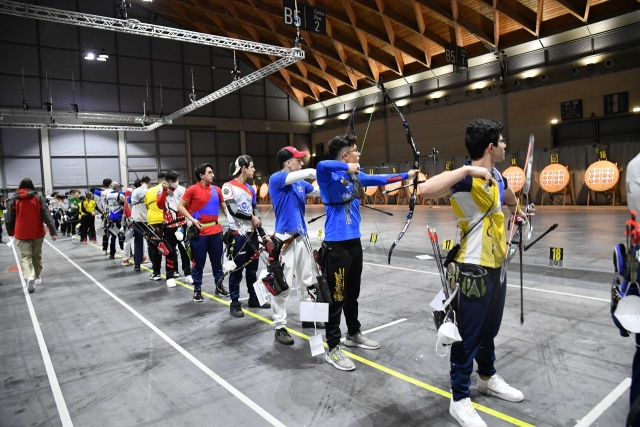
x=170 y=238
x=87 y=227
x=344 y=270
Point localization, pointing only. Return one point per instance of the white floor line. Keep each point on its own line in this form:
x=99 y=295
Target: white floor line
x=207 y=274
x=380 y=327
x=231 y=389
x=605 y=403
x=511 y=286
x=63 y=411
x=242 y=299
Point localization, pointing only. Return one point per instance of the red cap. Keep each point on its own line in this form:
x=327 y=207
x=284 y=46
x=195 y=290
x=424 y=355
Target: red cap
x=288 y=152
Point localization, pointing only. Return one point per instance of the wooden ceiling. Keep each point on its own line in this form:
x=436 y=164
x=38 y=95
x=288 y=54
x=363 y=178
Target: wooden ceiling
x=369 y=38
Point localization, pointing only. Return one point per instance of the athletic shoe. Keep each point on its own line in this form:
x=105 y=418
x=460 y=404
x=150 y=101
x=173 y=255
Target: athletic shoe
x=283 y=337
x=235 y=309
x=112 y=257
x=176 y=274
x=254 y=303
x=155 y=277
x=31 y=286
x=145 y=260
x=188 y=279
x=84 y=241
x=197 y=296
x=339 y=360
x=171 y=283
x=496 y=386
x=221 y=291
x=95 y=240
x=136 y=268
x=105 y=252
x=464 y=412
x=126 y=261
x=359 y=340
x=37 y=282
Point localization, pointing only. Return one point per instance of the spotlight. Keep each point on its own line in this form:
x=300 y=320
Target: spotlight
x=636 y=109
x=575 y=71
x=591 y=66
x=554 y=121
x=516 y=83
x=103 y=56
x=544 y=77
x=609 y=63
x=89 y=55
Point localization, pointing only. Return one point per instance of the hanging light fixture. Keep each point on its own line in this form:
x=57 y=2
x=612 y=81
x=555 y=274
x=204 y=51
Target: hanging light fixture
x=102 y=56
x=89 y=55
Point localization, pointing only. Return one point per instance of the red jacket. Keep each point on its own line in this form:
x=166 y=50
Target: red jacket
x=26 y=214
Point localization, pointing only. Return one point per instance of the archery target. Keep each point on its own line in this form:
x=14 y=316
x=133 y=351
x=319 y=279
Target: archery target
x=601 y=176
x=515 y=178
x=554 y=178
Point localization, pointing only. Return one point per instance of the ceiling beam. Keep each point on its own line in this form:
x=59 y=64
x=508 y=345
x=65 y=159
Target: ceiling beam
x=587 y=8
x=496 y=24
x=421 y=27
x=571 y=7
x=456 y=26
x=539 y=15
x=526 y=22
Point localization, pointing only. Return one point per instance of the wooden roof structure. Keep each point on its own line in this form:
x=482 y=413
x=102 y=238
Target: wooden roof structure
x=366 y=39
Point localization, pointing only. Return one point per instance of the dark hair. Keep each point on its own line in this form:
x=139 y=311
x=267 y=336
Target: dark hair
x=145 y=179
x=81 y=198
x=89 y=196
x=200 y=170
x=26 y=183
x=338 y=143
x=242 y=161
x=107 y=182
x=479 y=134
x=172 y=175
x=161 y=175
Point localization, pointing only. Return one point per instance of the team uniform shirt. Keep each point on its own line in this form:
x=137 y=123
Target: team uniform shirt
x=87 y=207
x=289 y=202
x=202 y=204
x=101 y=203
x=115 y=204
x=167 y=200
x=76 y=202
x=341 y=202
x=472 y=198
x=154 y=213
x=138 y=208
x=245 y=198
x=127 y=203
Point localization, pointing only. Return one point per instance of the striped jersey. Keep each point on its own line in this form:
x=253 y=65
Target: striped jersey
x=471 y=199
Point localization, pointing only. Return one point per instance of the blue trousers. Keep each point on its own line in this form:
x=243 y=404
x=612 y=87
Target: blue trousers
x=242 y=252
x=200 y=247
x=479 y=321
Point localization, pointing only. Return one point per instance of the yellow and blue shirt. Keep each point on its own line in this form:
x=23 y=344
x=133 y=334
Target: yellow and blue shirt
x=471 y=199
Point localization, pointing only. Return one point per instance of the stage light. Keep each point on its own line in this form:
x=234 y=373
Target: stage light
x=554 y=121
x=636 y=109
x=89 y=55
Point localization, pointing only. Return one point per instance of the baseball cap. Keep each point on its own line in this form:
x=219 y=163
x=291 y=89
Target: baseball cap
x=288 y=152
x=115 y=184
x=241 y=161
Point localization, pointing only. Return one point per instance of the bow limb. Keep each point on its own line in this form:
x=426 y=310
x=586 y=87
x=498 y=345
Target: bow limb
x=415 y=165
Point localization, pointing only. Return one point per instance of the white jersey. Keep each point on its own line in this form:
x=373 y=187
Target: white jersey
x=245 y=198
x=172 y=200
x=138 y=207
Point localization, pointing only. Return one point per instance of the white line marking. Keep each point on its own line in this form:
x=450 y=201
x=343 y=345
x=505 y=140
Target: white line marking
x=511 y=286
x=51 y=373
x=231 y=389
x=381 y=327
x=605 y=403
x=242 y=299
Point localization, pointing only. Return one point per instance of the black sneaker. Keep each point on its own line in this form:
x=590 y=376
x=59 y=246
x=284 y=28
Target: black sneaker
x=235 y=309
x=254 y=303
x=137 y=267
x=155 y=277
x=197 y=296
x=112 y=257
x=221 y=291
x=283 y=337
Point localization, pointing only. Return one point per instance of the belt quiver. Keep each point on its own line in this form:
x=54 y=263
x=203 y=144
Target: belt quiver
x=275 y=281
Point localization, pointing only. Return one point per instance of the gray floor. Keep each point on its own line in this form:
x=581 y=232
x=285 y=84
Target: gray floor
x=117 y=368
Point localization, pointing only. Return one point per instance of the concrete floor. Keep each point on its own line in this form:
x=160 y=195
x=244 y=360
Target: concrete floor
x=131 y=352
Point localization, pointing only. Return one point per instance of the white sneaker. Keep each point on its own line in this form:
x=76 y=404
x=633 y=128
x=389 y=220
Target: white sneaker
x=37 y=282
x=339 y=360
x=171 y=283
x=31 y=286
x=465 y=414
x=359 y=340
x=188 y=279
x=496 y=386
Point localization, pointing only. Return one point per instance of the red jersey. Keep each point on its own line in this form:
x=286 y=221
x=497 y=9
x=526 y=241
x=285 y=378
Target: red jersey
x=197 y=197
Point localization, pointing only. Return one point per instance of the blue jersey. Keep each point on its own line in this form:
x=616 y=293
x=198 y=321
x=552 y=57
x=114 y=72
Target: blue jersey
x=341 y=201
x=288 y=202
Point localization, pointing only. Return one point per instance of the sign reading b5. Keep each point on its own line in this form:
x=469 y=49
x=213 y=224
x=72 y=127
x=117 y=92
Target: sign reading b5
x=312 y=19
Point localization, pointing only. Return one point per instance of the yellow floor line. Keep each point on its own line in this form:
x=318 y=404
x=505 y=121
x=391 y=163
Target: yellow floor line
x=379 y=367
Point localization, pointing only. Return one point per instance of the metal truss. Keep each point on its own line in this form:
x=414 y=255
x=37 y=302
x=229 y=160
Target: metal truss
x=235 y=85
x=133 y=26
x=287 y=56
